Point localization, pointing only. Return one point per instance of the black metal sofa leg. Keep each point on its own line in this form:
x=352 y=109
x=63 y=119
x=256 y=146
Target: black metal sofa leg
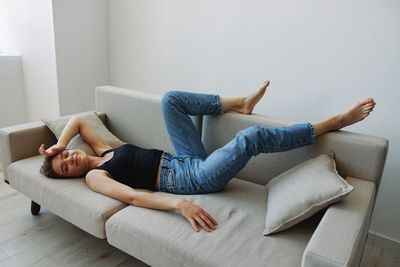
x=35 y=208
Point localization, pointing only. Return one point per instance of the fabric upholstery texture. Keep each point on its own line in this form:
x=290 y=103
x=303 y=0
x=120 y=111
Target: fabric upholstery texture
x=57 y=125
x=341 y=235
x=167 y=239
x=70 y=199
x=302 y=191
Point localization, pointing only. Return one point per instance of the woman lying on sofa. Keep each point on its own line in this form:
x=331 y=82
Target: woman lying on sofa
x=118 y=172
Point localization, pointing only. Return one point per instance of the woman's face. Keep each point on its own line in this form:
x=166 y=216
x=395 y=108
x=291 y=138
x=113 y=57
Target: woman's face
x=70 y=163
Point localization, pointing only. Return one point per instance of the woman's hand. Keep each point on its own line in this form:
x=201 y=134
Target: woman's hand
x=51 y=151
x=194 y=213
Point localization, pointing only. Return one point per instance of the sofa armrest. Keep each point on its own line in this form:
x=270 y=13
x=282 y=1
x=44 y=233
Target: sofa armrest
x=23 y=141
x=340 y=237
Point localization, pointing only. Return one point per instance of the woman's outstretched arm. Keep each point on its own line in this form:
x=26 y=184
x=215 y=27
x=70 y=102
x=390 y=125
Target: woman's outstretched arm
x=100 y=182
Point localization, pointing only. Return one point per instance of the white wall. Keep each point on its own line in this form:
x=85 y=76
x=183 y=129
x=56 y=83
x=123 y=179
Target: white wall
x=12 y=94
x=27 y=29
x=81 y=44
x=64 y=50
x=320 y=57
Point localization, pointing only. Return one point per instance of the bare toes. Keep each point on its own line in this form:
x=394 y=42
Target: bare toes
x=364 y=102
x=367 y=101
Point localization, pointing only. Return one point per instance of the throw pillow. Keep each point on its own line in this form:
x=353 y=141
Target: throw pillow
x=57 y=126
x=302 y=191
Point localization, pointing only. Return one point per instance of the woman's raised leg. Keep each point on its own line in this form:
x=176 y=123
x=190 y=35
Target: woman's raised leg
x=355 y=113
x=246 y=104
x=224 y=163
x=178 y=105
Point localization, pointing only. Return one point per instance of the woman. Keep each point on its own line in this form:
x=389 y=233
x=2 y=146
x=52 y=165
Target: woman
x=116 y=172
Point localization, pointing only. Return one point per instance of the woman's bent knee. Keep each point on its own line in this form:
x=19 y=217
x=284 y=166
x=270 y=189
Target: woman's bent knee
x=169 y=98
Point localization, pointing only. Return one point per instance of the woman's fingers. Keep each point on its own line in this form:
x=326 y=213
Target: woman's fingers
x=42 y=151
x=193 y=223
x=54 y=149
x=205 y=222
x=51 y=151
x=202 y=223
x=196 y=214
x=211 y=218
x=209 y=223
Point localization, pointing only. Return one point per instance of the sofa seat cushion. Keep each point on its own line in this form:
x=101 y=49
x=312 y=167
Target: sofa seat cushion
x=70 y=199
x=166 y=238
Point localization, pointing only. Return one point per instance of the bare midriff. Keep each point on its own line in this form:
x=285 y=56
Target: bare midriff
x=158 y=175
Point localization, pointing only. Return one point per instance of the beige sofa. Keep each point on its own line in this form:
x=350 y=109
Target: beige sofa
x=333 y=237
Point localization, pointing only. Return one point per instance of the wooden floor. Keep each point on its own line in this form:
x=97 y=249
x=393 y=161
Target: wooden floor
x=378 y=257
x=48 y=240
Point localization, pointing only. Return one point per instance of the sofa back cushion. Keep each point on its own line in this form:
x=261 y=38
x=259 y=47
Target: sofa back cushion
x=357 y=155
x=136 y=117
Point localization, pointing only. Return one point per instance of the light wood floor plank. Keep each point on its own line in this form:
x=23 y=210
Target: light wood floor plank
x=117 y=259
x=13 y=208
x=6 y=191
x=377 y=257
x=371 y=256
x=44 y=249
x=9 y=200
x=24 y=241
x=26 y=223
x=86 y=252
x=103 y=256
x=70 y=255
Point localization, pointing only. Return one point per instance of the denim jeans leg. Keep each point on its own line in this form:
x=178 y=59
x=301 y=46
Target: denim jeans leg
x=224 y=163
x=176 y=107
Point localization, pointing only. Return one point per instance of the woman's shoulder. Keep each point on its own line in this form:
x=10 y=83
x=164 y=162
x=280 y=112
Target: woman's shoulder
x=97 y=173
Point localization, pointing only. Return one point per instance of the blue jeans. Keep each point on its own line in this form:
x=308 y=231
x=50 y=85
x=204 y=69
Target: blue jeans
x=192 y=171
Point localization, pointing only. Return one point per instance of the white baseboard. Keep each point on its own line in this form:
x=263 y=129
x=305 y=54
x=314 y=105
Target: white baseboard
x=381 y=241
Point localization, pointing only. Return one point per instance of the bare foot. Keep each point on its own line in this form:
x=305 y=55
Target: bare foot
x=250 y=101
x=356 y=113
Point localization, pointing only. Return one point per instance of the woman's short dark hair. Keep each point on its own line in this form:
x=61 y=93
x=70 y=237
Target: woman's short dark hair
x=47 y=168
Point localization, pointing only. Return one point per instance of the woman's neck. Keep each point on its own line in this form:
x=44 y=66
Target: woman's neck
x=93 y=161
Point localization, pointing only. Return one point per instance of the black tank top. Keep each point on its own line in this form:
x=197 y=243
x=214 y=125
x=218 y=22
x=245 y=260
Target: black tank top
x=133 y=166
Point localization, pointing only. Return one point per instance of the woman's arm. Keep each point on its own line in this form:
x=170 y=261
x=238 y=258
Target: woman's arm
x=99 y=181
x=77 y=125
